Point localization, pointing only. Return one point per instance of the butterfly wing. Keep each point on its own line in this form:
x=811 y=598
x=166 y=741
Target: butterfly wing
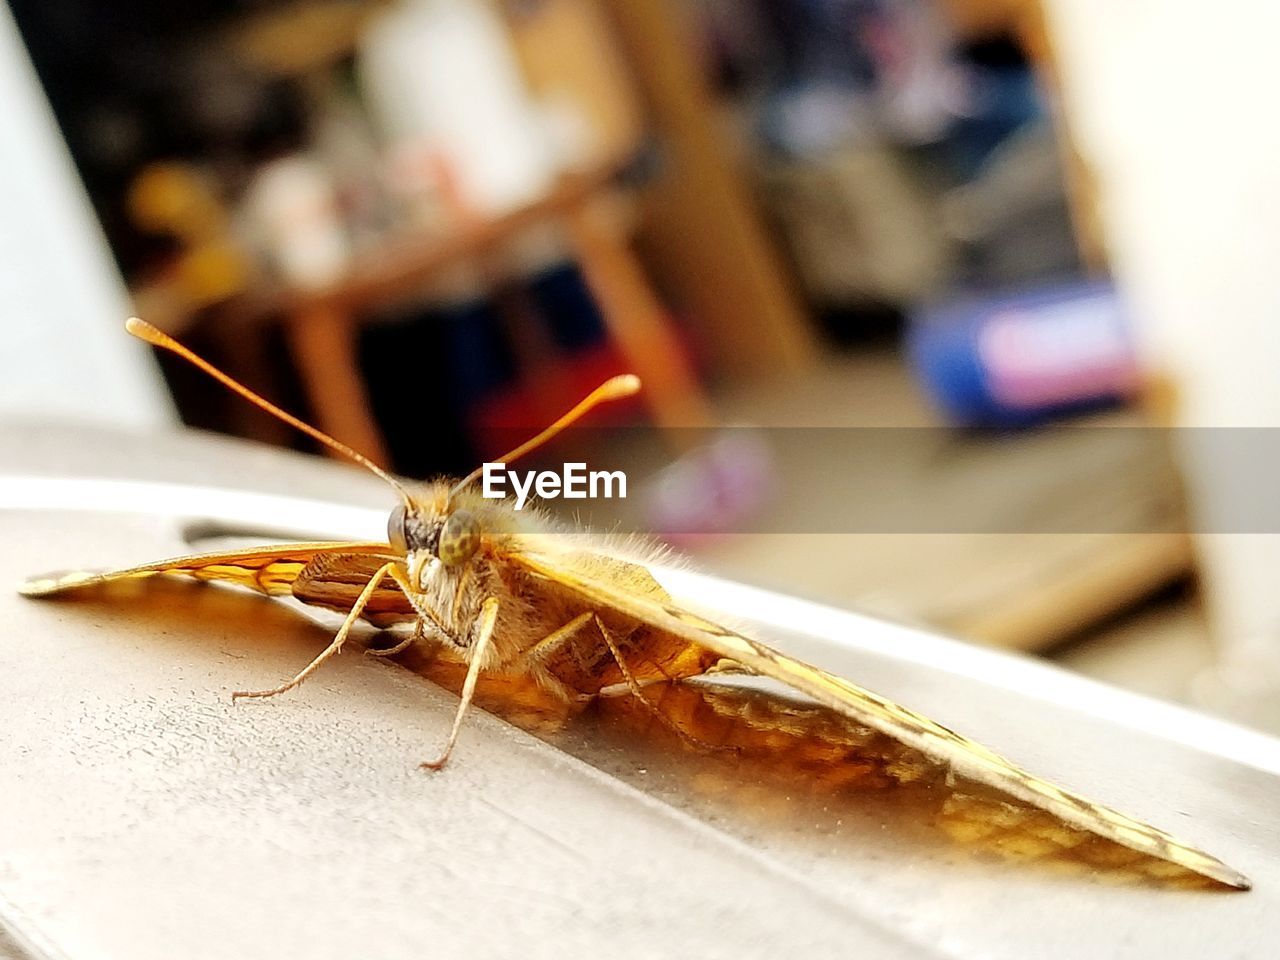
x=334 y=579
x=964 y=756
x=584 y=664
x=327 y=574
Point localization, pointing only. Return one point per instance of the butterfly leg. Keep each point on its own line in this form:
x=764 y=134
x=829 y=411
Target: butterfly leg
x=400 y=647
x=425 y=611
x=339 y=638
x=550 y=643
x=637 y=690
x=487 y=620
x=419 y=636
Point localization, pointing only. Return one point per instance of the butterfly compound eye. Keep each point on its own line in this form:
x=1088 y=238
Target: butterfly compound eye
x=459 y=538
x=396 y=534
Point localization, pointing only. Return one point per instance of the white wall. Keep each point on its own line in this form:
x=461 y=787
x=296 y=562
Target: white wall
x=63 y=350
x=1176 y=105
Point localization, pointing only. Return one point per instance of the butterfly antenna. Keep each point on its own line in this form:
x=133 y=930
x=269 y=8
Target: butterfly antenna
x=145 y=331
x=613 y=389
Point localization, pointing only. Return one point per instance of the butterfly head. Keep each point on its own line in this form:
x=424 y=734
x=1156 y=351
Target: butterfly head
x=434 y=530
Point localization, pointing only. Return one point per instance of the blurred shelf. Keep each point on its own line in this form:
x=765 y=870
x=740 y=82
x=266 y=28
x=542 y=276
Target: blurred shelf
x=702 y=233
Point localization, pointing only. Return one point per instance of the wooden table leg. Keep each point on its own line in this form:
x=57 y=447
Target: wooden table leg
x=638 y=322
x=706 y=239
x=322 y=342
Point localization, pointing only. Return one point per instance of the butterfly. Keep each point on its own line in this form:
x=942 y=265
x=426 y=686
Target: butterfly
x=510 y=593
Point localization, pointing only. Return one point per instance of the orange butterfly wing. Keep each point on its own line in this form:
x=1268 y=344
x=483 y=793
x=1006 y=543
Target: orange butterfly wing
x=329 y=575
x=862 y=706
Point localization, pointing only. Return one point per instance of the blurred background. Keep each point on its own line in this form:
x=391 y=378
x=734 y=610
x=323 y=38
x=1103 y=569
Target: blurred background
x=944 y=308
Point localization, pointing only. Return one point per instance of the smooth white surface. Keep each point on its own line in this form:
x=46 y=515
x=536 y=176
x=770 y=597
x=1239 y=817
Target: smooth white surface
x=1172 y=105
x=62 y=304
